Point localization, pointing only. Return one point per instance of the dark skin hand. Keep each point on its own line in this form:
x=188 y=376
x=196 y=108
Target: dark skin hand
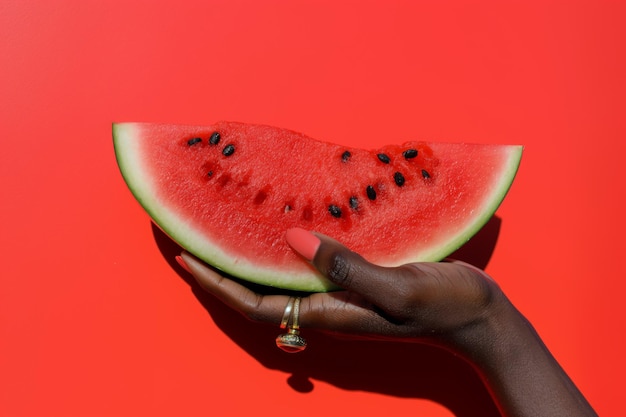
x=450 y=304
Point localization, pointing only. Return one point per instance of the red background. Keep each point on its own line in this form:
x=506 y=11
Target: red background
x=96 y=319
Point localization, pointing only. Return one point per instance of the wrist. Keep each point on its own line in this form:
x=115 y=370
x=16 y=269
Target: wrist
x=523 y=376
x=500 y=333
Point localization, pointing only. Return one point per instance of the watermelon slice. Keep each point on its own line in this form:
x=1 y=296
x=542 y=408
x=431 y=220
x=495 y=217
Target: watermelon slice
x=228 y=192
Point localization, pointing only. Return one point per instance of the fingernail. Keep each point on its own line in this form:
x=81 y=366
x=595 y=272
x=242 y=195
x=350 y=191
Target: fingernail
x=183 y=264
x=303 y=242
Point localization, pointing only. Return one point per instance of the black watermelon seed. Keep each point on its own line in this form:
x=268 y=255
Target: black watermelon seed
x=410 y=153
x=345 y=156
x=229 y=150
x=425 y=174
x=354 y=202
x=193 y=141
x=209 y=174
x=383 y=158
x=371 y=192
x=399 y=179
x=215 y=138
x=334 y=211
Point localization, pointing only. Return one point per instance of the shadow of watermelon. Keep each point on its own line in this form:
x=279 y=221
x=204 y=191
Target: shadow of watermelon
x=404 y=370
x=479 y=249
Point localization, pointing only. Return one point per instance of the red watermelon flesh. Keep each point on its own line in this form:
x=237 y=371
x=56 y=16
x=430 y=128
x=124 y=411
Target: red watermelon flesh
x=228 y=192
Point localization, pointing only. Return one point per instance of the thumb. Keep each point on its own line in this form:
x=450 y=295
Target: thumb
x=344 y=267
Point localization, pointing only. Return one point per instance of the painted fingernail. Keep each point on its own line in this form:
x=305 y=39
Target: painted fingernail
x=303 y=242
x=183 y=264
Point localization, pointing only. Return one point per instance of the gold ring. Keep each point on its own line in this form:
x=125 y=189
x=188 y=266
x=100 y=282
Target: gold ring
x=295 y=323
x=291 y=341
x=287 y=314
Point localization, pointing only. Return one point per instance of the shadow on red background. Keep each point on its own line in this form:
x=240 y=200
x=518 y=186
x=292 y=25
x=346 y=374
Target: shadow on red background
x=397 y=369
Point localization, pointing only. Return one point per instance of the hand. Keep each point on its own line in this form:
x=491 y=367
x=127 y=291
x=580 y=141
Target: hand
x=433 y=302
x=451 y=304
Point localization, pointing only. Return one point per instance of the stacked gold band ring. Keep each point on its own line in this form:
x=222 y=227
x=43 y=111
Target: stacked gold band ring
x=291 y=341
x=287 y=314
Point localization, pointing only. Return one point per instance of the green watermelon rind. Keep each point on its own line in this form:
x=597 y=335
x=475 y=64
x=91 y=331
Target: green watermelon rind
x=485 y=213
x=183 y=232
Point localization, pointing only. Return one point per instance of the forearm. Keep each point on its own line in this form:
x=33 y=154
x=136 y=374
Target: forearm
x=523 y=376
